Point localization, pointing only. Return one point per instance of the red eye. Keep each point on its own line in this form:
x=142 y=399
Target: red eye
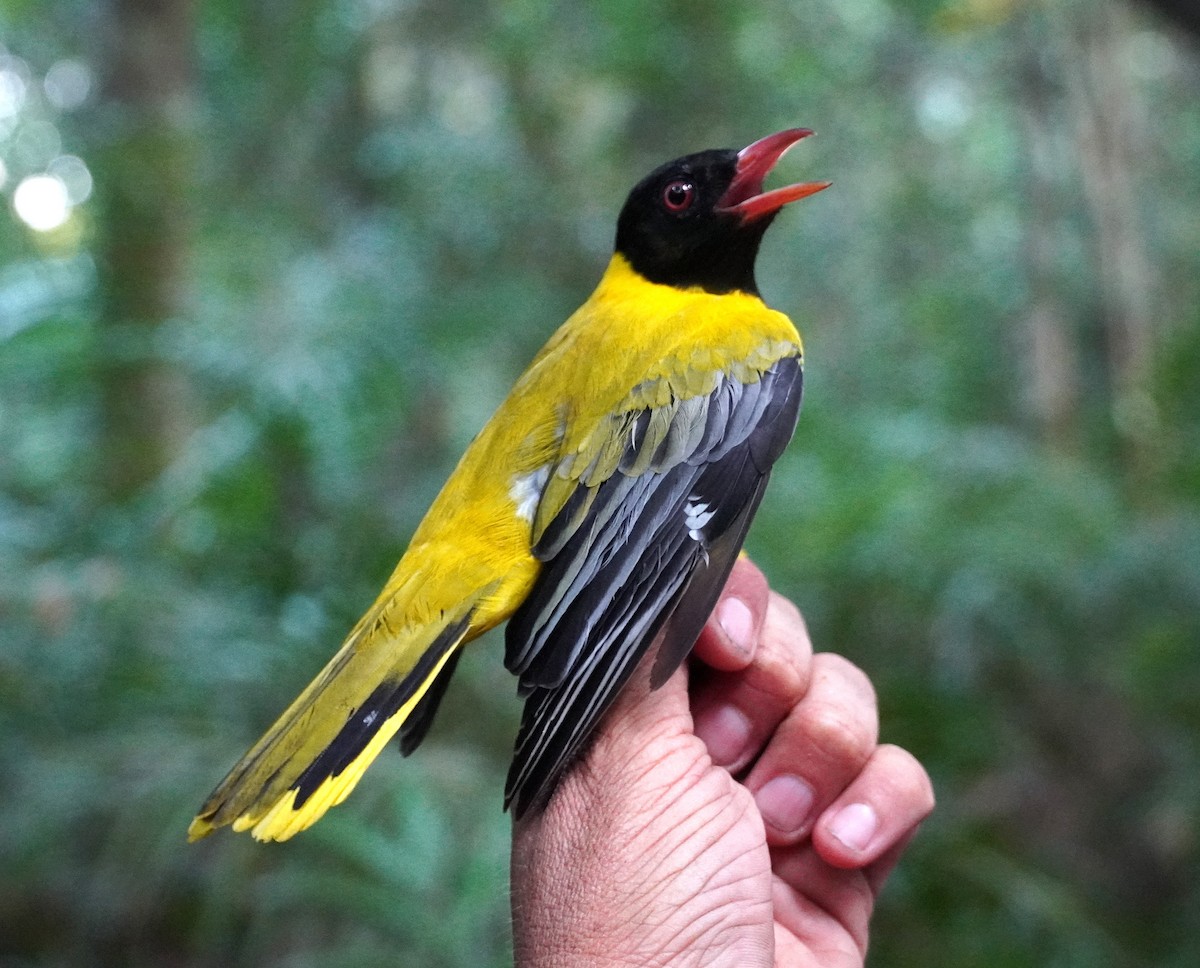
x=679 y=195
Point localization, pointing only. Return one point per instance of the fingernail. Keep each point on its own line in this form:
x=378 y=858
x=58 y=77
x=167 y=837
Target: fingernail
x=725 y=730
x=785 y=803
x=854 y=826
x=735 y=619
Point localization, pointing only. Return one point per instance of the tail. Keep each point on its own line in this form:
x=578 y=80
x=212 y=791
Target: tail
x=380 y=683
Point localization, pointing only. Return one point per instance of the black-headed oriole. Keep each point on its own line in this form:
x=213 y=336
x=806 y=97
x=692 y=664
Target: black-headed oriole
x=602 y=506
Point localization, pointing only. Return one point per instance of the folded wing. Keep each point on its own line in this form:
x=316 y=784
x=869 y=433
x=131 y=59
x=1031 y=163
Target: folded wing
x=640 y=540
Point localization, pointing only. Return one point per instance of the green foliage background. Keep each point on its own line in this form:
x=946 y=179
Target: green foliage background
x=370 y=215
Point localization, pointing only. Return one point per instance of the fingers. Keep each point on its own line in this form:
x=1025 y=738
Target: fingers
x=876 y=814
x=735 y=713
x=809 y=725
x=808 y=894
x=880 y=809
x=729 y=638
x=821 y=745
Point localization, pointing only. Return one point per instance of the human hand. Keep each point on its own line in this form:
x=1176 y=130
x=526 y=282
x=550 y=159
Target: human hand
x=747 y=818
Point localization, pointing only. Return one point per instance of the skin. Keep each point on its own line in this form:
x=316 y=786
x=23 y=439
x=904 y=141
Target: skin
x=745 y=814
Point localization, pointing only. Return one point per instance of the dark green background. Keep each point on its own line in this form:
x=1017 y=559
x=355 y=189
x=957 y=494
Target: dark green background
x=324 y=238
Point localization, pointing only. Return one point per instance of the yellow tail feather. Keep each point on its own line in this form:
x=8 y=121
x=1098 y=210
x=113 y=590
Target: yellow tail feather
x=260 y=792
x=282 y=819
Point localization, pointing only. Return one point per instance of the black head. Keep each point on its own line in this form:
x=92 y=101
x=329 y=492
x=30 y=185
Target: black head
x=698 y=221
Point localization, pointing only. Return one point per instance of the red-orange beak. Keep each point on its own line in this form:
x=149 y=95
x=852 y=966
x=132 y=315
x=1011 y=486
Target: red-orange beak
x=745 y=196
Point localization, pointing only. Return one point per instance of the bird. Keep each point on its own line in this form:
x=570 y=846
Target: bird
x=599 y=510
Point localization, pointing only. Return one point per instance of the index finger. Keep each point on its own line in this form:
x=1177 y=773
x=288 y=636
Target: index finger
x=735 y=713
x=730 y=636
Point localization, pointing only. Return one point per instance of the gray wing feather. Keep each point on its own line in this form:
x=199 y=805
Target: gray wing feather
x=652 y=547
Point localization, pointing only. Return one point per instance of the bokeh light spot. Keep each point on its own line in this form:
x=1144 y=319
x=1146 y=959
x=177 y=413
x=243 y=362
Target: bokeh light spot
x=74 y=174
x=41 y=202
x=67 y=84
x=12 y=94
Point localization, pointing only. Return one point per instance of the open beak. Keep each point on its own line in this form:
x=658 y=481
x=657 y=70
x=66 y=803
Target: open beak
x=745 y=196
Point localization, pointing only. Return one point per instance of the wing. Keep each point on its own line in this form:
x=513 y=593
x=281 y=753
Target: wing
x=643 y=542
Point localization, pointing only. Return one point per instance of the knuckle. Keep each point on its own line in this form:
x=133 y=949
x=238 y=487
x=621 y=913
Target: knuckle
x=784 y=614
x=782 y=669
x=843 y=675
x=785 y=682
x=837 y=733
x=784 y=648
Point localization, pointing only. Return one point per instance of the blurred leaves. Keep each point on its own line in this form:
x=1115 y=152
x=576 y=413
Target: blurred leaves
x=385 y=209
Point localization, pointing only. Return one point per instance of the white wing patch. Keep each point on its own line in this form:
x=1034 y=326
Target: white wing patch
x=526 y=491
x=696 y=515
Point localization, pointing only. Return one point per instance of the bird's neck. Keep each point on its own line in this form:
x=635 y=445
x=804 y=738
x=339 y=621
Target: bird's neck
x=717 y=263
x=622 y=283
